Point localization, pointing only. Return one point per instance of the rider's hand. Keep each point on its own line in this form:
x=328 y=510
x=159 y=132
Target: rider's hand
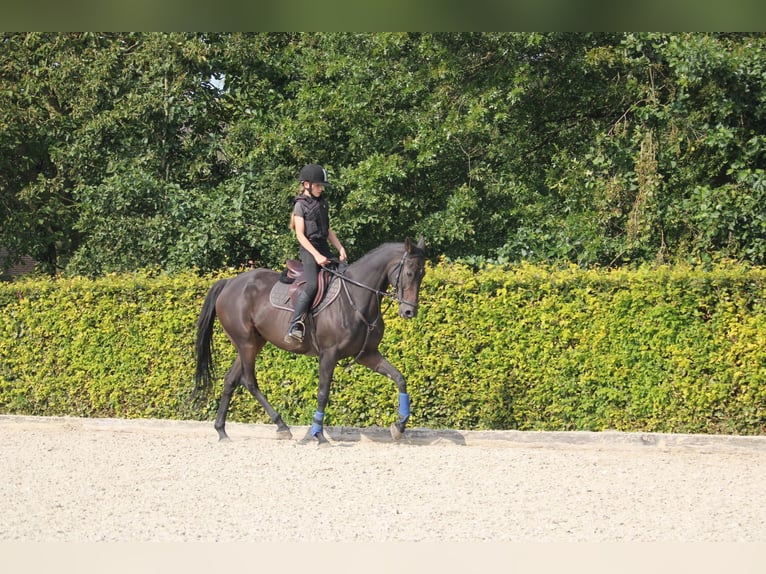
x=342 y=254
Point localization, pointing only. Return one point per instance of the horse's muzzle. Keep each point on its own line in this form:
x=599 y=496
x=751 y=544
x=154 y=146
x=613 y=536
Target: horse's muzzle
x=407 y=310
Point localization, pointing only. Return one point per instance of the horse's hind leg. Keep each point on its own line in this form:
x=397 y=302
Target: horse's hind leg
x=230 y=382
x=251 y=384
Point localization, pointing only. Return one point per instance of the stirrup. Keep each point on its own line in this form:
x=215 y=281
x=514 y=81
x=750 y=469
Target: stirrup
x=297 y=331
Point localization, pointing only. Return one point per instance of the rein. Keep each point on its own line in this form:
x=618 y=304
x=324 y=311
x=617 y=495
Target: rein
x=393 y=295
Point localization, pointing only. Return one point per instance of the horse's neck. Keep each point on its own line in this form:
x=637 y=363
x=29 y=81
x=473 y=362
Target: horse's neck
x=373 y=268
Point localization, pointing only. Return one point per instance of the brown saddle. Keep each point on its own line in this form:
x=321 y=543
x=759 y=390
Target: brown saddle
x=293 y=274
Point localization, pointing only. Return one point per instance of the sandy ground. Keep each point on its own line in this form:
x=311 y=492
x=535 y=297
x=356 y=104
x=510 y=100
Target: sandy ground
x=84 y=480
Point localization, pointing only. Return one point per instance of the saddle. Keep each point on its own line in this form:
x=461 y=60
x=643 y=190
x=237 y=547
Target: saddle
x=293 y=274
x=285 y=291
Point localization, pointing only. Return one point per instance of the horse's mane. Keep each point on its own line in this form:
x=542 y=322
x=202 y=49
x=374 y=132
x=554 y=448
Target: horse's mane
x=385 y=248
x=370 y=260
x=380 y=248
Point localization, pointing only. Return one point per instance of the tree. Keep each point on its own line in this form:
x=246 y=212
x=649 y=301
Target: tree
x=173 y=151
x=679 y=174
x=37 y=208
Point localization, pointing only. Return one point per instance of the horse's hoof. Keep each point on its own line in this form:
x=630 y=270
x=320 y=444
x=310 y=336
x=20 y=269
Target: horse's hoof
x=318 y=438
x=322 y=441
x=284 y=434
x=396 y=434
x=224 y=438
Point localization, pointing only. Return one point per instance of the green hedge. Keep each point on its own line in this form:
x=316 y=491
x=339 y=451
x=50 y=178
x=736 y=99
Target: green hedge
x=656 y=349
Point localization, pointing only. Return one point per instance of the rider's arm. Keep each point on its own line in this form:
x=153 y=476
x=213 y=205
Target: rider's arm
x=337 y=244
x=300 y=233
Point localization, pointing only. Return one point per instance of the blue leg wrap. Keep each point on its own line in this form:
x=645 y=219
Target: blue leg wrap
x=404 y=407
x=318 y=425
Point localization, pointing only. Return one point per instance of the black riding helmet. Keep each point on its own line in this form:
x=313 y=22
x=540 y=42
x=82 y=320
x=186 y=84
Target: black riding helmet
x=314 y=173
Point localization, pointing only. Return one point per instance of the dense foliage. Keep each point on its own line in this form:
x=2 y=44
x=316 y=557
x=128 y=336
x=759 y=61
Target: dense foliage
x=177 y=151
x=664 y=349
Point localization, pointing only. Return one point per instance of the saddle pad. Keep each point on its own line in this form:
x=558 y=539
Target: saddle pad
x=280 y=298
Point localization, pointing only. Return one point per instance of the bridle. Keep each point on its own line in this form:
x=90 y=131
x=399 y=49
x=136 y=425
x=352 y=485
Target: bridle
x=394 y=296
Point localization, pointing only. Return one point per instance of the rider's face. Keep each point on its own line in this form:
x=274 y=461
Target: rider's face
x=314 y=188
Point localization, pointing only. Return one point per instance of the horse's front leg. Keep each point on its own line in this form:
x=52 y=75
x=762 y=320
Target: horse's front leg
x=378 y=363
x=326 y=369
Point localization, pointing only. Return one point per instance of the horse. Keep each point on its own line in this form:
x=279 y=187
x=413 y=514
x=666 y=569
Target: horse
x=351 y=326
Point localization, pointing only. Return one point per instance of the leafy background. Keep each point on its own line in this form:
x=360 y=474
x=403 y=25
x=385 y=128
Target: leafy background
x=173 y=151
x=669 y=349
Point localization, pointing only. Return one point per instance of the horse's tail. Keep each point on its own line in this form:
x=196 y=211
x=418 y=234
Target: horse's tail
x=203 y=375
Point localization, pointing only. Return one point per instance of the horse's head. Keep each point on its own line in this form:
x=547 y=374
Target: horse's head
x=408 y=276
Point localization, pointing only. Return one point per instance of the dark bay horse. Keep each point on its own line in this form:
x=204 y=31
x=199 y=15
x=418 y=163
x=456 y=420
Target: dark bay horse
x=351 y=326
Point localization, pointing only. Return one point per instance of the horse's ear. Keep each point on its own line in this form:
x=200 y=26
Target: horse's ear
x=409 y=246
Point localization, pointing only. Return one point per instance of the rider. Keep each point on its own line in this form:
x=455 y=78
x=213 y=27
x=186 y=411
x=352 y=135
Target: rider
x=311 y=222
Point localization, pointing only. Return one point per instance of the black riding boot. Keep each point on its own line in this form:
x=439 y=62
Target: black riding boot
x=297 y=329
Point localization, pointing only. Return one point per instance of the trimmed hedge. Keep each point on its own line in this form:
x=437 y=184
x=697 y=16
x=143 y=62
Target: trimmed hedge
x=656 y=349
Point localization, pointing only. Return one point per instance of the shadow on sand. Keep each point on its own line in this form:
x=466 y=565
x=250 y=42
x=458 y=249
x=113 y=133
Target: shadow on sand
x=376 y=434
